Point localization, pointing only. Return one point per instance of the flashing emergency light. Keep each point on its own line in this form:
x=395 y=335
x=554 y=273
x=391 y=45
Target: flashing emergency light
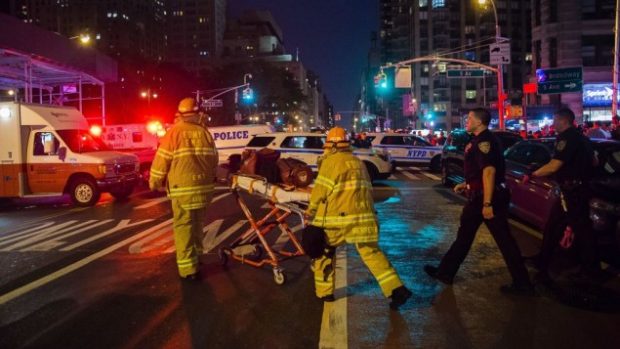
x=153 y=126
x=96 y=130
x=161 y=133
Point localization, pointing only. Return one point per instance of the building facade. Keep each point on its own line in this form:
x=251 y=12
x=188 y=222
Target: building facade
x=452 y=29
x=577 y=33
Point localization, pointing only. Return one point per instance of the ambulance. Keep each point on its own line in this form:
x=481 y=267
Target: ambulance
x=49 y=151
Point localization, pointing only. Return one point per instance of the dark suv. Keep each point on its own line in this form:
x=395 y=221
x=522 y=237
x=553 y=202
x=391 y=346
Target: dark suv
x=453 y=153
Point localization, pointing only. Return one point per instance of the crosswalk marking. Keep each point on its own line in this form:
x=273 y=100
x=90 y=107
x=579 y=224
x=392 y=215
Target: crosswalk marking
x=152 y=202
x=413 y=173
x=43 y=234
x=334 y=331
x=124 y=224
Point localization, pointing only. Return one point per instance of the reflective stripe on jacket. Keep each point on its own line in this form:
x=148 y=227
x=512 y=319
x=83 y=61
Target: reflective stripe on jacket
x=342 y=198
x=187 y=160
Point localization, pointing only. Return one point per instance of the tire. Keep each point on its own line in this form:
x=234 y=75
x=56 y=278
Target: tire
x=122 y=194
x=373 y=172
x=84 y=192
x=278 y=277
x=435 y=164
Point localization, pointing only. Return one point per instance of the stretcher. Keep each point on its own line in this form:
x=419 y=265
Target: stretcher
x=250 y=247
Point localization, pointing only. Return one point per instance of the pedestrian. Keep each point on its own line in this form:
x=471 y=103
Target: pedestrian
x=572 y=166
x=597 y=132
x=487 y=201
x=185 y=163
x=442 y=138
x=342 y=204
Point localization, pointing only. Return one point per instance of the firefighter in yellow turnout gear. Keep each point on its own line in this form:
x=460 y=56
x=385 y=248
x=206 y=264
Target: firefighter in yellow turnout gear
x=342 y=204
x=186 y=162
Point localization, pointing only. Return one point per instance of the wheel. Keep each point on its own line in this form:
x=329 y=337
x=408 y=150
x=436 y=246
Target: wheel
x=444 y=177
x=373 y=172
x=84 y=192
x=122 y=194
x=435 y=165
x=221 y=253
x=279 y=277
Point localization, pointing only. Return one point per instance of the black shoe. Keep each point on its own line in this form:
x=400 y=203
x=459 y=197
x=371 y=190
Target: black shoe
x=328 y=298
x=518 y=290
x=432 y=272
x=399 y=297
x=192 y=277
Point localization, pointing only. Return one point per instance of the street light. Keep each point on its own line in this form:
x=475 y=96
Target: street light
x=500 y=70
x=84 y=38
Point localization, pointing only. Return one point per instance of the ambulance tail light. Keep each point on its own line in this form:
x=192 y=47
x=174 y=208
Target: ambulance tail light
x=96 y=130
x=153 y=127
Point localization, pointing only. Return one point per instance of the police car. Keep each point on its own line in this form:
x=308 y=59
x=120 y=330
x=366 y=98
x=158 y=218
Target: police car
x=307 y=147
x=231 y=140
x=406 y=149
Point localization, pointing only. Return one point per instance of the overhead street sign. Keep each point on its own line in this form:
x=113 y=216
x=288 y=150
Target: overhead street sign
x=212 y=103
x=466 y=73
x=559 y=80
x=559 y=87
x=500 y=53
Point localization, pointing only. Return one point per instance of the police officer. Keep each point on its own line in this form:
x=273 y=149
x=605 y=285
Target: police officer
x=185 y=163
x=572 y=165
x=342 y=204
x=488 y=201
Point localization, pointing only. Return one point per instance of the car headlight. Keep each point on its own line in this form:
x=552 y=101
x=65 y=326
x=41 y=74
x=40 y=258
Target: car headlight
x=102 y=169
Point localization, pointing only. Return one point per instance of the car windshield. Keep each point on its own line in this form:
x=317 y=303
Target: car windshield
x=81 y=141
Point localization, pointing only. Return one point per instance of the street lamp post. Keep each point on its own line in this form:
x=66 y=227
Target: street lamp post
x=500 y=70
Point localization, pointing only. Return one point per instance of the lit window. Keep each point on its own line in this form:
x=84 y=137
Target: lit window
x=470 y=94
x=528 y=57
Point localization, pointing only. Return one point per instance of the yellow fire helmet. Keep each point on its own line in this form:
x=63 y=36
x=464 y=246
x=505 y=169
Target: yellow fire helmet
x=188 y=105
x=337 y=137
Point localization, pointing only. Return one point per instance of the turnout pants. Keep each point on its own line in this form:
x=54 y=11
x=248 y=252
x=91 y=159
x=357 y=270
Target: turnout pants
x=187 y=226
x=471 y=219
x=324 y=267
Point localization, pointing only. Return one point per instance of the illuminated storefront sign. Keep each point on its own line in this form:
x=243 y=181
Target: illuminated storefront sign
x=597 y=95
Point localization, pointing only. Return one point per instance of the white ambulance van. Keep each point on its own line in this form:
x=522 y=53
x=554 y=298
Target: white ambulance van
x=48 y=151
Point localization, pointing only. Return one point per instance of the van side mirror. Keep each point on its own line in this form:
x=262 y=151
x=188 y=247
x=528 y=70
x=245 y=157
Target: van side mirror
x=62 y=153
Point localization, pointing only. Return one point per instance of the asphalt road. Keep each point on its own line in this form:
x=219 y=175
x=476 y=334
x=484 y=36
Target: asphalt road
x=105 y=277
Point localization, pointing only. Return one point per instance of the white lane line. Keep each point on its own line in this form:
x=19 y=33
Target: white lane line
x=211 y=241
x=5 y=298
x=50 y=244
x=431 y=176
x=284 y=238
x=39 y=235
x=48 y=217
x=124 y=224
x=151 y=203
x=136 y=247
x=410 y=175
x=19 y=234
x=334 y=323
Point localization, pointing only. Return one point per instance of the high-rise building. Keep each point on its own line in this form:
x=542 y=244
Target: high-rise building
x=455 y=29
x=119 y=28
x=195 y=32
x=577 y=33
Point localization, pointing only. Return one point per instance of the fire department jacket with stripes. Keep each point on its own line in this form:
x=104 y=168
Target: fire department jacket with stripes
x=186 y=161
x=342 y=198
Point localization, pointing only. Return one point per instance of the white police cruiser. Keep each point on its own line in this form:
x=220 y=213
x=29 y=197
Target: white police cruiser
x=307 y=147
x=406 y=149
x=231 y=140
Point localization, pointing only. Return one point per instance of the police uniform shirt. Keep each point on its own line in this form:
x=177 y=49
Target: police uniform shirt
x=576 y=154
x=482 y=151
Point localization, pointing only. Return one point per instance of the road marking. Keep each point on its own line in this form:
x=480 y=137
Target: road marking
x=410 y=175
x=39 y=235
x=13 y=237
x=136 y=247
x=5 y=298
x=151 y=203
x=334 y=323
x=211 y=241
x=284 y=238
x=526 y=229
x=124 y=224
x=57 y=241
x=48 y=217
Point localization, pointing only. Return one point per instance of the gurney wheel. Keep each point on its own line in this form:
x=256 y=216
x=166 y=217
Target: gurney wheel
x=279 y=277
x=223 y=257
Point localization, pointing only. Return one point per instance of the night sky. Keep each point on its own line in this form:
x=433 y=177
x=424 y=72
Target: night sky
x=333 y=37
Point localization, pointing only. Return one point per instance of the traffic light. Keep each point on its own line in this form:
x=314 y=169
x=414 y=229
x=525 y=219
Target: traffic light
x=248 y=95
x=381 y=81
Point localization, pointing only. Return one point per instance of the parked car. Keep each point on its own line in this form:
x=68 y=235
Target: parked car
x=406 y=149
x=532 y=202
x=453 y=153
x=307 y=147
